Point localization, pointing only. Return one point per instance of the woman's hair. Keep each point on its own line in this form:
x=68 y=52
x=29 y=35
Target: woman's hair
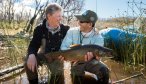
x=53 y=7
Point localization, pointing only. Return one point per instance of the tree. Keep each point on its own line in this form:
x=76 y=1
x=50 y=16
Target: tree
x=9 y=12
x=70 y=7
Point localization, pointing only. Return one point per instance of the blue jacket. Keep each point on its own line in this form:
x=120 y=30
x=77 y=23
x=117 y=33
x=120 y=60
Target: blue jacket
x=74 y=36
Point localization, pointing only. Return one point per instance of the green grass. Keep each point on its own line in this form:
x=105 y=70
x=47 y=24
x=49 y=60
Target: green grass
x=13 y=25
x=131 y=52
x=15 y=52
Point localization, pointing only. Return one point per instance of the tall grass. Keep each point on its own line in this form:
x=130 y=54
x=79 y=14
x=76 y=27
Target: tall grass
x=131 y=51
x=13 y=46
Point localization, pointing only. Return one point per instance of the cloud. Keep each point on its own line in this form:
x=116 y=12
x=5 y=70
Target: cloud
x=28 y=2
x=32 y=2
x=19 y=7
x=24 y=6
x=27 y=6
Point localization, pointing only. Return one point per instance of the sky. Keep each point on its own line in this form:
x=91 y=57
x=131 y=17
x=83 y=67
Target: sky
x=103 y=8
x=113 y=8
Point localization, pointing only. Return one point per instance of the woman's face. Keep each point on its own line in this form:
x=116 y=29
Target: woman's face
x=55 y=18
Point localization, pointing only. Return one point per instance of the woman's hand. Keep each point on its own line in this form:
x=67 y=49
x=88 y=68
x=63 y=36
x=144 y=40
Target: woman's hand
x=32 y=62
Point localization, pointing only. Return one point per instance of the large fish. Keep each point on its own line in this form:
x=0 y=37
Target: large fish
x=78 y=52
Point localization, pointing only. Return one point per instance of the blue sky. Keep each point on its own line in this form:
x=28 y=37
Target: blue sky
x=114 y=8
x=103 y=8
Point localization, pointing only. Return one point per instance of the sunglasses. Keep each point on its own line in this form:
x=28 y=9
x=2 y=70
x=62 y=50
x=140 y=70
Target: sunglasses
x=84 y=21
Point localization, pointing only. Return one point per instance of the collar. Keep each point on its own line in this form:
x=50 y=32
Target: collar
x=52 y=30
x=92 y=32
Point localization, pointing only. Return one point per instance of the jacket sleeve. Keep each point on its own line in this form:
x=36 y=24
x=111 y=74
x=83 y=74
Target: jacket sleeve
x=35 y=42
x=67 y=41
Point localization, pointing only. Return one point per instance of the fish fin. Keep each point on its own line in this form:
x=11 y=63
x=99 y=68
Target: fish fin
x=75 y=45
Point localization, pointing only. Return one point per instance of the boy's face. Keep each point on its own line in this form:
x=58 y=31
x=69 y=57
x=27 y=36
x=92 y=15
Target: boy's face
x=84 y=25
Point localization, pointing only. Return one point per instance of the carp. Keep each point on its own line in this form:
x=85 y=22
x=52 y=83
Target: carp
x=78 y=52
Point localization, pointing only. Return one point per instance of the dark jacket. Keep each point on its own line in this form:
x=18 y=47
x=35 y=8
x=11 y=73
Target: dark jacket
x=53 y=41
